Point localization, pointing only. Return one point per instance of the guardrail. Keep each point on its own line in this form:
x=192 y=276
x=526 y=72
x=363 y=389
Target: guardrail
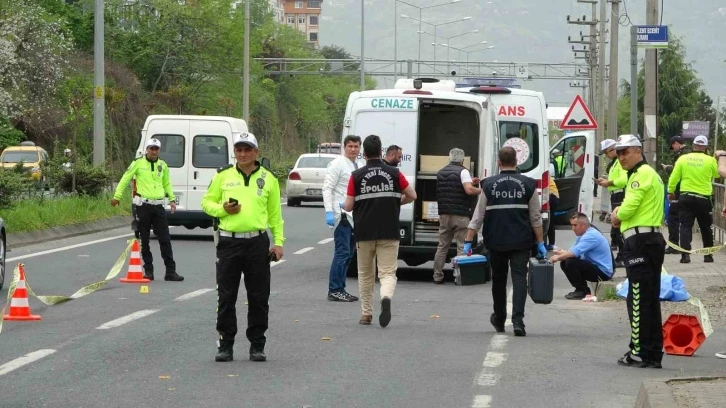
x=719 y=221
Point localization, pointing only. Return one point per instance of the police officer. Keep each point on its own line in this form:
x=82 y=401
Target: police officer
x=245 y=198
x=154 y=190
x=639 y=218
x=507 y=208
x=694 y=172
x=615 y=182
x=679 y=148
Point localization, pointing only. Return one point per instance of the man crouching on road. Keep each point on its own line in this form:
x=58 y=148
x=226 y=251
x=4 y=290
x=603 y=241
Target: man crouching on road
x=376 y=193
x=335 y=187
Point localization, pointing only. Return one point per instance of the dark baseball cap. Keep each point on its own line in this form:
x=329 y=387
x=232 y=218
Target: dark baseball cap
x=677 y=139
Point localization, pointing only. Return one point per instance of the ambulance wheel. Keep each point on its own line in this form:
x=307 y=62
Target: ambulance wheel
x=293 y=202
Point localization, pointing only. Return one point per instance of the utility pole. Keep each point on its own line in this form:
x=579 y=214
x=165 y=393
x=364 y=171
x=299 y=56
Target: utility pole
x=395 y=40
x=246 y=74
x=362 y=46
x=99 y=102
x=650 y=131
x=613 y=92
x=601 y=75
x=591 y=53
x=633 y=80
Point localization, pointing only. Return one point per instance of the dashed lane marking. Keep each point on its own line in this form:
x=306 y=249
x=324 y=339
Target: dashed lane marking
x=509 y=308
x=482 y=401
x=126 y=319
x=325 y=241
x=194 y=294
x=24 y=360
x=302 y=251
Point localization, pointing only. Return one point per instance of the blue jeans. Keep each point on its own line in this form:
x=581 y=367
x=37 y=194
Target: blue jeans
x=344 y=247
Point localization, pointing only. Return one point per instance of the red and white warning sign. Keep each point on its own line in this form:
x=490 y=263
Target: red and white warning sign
x=578 y=116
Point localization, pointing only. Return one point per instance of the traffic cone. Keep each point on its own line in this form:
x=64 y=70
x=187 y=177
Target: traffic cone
x=19 y=307
x=135 y=274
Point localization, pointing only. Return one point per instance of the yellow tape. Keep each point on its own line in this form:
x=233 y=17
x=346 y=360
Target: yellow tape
x=55 y=299
x=700 y=251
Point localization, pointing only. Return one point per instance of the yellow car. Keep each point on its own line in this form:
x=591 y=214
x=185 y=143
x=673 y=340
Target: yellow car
x=28 y=153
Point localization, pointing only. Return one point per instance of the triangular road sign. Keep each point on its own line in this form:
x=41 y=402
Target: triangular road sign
x=578 y=116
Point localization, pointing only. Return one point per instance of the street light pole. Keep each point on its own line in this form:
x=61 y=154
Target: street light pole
x=99 y=103
x=419 y=42
x=362 y=46
x=246 y=74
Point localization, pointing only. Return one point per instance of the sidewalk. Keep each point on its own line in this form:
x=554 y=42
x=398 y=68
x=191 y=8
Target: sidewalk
x=707 y=282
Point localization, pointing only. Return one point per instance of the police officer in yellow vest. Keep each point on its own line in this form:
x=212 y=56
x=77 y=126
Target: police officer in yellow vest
x=615 y=182
x=154 y=190
x=246 y=200
x=695 y=172
x=639 y=218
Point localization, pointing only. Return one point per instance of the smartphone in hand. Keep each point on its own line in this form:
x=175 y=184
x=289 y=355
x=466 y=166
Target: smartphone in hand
x=233 y=201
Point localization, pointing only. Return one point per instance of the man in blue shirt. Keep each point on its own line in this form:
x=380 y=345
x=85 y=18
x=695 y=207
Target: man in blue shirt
x=589 y=260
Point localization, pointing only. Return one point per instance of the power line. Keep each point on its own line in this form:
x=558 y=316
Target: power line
x=624 y=19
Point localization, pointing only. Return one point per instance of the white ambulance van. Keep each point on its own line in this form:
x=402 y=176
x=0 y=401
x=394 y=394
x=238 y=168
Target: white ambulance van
x=193 y=147
x=426 y=118
x=522 y=120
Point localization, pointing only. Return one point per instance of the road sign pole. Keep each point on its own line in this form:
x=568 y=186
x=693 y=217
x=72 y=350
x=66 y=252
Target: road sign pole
x=99 y=106
x=634 y=80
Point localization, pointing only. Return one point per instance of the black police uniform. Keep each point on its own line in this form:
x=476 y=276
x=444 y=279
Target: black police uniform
x=507 y=233
x=674 y=208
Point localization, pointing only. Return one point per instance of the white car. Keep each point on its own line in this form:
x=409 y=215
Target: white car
x=305 y=180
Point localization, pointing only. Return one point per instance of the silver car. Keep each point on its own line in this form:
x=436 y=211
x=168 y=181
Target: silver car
x=3 y=252
x=305 y=180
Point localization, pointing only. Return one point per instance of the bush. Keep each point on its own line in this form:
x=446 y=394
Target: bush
x=11 y=183
x=90 y=180
x=9 y=136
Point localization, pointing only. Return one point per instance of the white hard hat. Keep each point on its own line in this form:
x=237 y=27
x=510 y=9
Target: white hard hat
x=154 y=143
x=625 y=141
x=245 y=138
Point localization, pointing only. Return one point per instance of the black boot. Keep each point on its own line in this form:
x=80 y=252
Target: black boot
x=671 y=251
x=225 y=351
x=685 y=258
x=173 y=276
x=708 y=258
x=149 y=274
x=519 y=328
x=257 y=353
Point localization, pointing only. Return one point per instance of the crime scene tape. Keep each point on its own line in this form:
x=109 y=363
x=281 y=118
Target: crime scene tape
x=56 y=299
x=700 y=251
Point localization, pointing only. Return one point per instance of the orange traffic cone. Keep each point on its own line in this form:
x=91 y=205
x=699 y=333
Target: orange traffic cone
x=135 y=274
x=19 y=307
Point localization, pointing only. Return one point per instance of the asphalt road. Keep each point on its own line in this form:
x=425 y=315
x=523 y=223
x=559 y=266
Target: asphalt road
x=438 y=351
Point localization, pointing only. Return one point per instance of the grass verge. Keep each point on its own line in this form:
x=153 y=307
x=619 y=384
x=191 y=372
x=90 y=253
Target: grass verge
x=610 y=294
x=40 y=214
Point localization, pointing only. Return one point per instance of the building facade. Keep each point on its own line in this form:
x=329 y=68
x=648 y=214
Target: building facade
x=305 y=16
x=277 y=7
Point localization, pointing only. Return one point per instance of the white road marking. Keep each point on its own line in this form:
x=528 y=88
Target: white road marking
x=498 y=342
x=277 y=262
x=65 y=248
x=482 y=401
x=302 y=251
x=325 y=241
x=487 y=380
x=24 y=360
x=509 y=308
x=193 y=294
x=494 y=359
x=125 y=319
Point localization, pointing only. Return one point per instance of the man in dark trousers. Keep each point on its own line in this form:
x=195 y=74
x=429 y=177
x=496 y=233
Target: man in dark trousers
x=693 y=173
x=153 y=188
x=454 y=190
x=639 y=218
x=508 y=208
x=679 y=148
x=615 y=183
x=245 y=197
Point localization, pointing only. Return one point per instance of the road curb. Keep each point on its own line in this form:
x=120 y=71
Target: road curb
x=658 y=393
x=21 y=239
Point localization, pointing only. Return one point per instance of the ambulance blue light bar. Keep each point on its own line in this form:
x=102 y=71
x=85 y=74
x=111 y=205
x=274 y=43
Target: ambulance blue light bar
x=490 y=90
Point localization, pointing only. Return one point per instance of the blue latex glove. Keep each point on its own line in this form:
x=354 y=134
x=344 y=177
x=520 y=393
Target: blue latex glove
x=541 y=250
x=467 y=248
x=330 y=218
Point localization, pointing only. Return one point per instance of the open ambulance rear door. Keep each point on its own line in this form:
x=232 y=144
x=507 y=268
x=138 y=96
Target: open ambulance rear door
x=573 y=175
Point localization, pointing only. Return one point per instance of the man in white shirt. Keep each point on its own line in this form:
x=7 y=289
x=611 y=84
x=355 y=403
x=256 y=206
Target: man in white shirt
x=454 y=188
x=335 y=187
